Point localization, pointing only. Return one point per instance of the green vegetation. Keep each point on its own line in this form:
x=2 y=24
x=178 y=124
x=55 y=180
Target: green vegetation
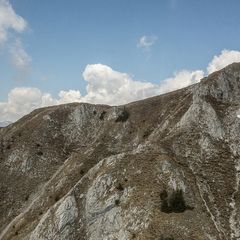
x=174 y=203
x=123 y=116
x=120 y=187
x=117 y=202
x=102 y=115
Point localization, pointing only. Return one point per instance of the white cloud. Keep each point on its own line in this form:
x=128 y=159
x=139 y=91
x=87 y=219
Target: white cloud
x=23 y=100
x=107 y=86
x=19 y=58
x=9 y=20
x=20 y=102
x=181 y=79
x=69 y=96
x=145 y=42
x=225 y=58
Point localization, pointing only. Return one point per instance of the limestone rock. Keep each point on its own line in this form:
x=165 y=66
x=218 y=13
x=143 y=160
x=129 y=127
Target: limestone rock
x=166 y=167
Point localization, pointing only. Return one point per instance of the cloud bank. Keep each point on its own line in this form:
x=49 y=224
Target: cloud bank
x=107 y=86
x=104 y=85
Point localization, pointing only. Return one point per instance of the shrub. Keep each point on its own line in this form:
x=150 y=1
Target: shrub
x=117 y=202
x=119 y=187
x=26 y=198
x=147 y=133
x=57 y=198
x=177 y=202
x=123 y=116
x=102 y=115
x=165 y=206
x=39 y=153
x=173 y=203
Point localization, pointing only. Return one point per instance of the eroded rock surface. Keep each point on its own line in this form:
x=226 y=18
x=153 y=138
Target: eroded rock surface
x=167 y=167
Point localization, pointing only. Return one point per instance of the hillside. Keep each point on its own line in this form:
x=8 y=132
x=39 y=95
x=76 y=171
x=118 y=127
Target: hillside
x=163 y=168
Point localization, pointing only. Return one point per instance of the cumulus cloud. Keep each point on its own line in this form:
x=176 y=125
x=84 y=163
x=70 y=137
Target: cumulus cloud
x=69 y=96
x=225 y=58
x=20 y=102
x=181 y=79
x=9 y=20
x=23 y=100
x=107 y=86
x=145 y=42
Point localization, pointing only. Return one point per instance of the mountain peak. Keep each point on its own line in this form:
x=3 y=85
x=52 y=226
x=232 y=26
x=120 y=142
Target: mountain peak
x=223 y=85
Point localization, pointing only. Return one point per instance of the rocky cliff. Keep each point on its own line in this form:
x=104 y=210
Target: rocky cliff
x=163 y=168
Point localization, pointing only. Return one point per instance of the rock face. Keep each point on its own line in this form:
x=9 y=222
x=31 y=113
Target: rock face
x=163 y=168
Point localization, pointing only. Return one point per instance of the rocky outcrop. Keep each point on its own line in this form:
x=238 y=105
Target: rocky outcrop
x=167 y=167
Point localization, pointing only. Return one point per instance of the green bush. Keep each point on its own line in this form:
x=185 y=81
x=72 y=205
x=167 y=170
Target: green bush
x=123 y=116
x=102 y=115
x=173 y=203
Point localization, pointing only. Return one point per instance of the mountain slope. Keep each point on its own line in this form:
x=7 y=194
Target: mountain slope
x=166 y=167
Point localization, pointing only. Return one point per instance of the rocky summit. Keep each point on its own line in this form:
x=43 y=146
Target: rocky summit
x=163 y=168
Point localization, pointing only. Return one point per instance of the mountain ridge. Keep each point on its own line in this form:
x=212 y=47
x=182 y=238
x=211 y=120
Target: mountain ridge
x=82 y=168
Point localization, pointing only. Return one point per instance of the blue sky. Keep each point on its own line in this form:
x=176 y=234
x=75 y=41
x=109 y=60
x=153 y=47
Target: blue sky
x=62 y=37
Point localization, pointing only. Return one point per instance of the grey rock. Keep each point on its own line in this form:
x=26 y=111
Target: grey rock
x=166 y=167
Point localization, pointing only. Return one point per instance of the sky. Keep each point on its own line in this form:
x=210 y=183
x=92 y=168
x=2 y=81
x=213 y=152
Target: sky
x=107 y=51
